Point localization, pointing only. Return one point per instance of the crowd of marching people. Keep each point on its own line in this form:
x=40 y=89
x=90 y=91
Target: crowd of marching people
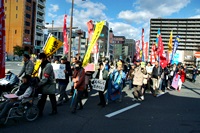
x=141 y=77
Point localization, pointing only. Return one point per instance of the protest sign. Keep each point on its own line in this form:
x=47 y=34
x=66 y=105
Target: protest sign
x=59 y=71
x=98 y=84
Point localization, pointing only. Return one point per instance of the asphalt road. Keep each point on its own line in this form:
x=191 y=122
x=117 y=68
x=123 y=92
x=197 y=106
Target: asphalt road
x=173 y=112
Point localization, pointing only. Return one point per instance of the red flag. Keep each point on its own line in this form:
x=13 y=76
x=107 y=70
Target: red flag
x=160 y=46
x=2 y=39
x=163 y=60
x=153 y=54
x=65 y=35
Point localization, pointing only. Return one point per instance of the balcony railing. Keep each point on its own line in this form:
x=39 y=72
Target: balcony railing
x=40 y=17
x=40 y=10
x=41 y=3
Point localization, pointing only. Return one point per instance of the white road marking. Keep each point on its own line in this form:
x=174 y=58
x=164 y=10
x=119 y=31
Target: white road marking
x=161 y=94
x=84 y=101
x=122 y=110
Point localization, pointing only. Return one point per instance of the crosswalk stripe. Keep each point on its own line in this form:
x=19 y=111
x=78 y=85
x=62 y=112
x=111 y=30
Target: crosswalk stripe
x=122 y=110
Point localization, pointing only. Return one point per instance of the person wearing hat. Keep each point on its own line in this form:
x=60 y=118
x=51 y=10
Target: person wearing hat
x=62 y=83
x=47 y=85
x=28 y=66
x=130 y=75
x=138 y=80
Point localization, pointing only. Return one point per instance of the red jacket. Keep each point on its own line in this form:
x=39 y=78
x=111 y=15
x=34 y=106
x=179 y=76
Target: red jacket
x=79 y=79
x=182 y=74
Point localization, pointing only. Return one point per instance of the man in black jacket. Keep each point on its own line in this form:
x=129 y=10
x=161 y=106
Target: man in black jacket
x=62 y=83
x=156 y=75
x=102 y=74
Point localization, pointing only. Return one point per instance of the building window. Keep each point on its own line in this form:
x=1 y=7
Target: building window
x=5 y=8
x=27 y=31
x=27 y=23
x=28 y=16
x=28 y=1
x=16 y=0
x=5 y=1
x=16 y=7
x=28 y=8
x=15 y=31
x=16 y=15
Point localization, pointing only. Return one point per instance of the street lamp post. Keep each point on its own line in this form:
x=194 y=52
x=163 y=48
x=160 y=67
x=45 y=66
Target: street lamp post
x=52 y=25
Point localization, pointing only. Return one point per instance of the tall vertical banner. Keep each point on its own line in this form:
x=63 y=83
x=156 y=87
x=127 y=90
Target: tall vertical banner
x=145 y=50
x=153 y=54
x=2 y=40
x=157 y=37
x=176 y=43
x=160 y=46
x=137 y=46
x=161 y=53
x=65 y=40
x=170 y=42
x=90 y=26
x=97 y=32
x=143 y=46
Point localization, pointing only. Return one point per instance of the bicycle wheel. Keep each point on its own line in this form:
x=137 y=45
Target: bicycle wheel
x=32 y=113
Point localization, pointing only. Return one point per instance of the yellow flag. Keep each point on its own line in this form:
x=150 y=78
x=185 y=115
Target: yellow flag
x=97 y=32
x=36 y=68
x=52 y=45
x=170 y=42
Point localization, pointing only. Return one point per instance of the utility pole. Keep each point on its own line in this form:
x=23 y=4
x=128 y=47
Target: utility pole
x=70 y=33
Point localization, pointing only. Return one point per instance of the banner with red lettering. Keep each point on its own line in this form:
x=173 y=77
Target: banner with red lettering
x=65 y=40
x=137 y=47
x=90 y=26
x=2 y=39
x=163 y=60
x=145 y=51
x=143 y=46
x=160 y=46
x=153 y=54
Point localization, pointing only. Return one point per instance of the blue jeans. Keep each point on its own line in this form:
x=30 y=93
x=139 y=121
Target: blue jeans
x=194 y=77
x=130 y=83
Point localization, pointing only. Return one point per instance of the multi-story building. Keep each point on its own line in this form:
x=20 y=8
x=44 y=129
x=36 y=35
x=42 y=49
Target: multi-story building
x=39 y=25
x=187 y=29
x=129 y=48
x=21 y=22
x=118 y=43
x=77 y=37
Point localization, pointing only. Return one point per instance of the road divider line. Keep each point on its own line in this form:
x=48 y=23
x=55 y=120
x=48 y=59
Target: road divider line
x=122 y=110
x=161 y=94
